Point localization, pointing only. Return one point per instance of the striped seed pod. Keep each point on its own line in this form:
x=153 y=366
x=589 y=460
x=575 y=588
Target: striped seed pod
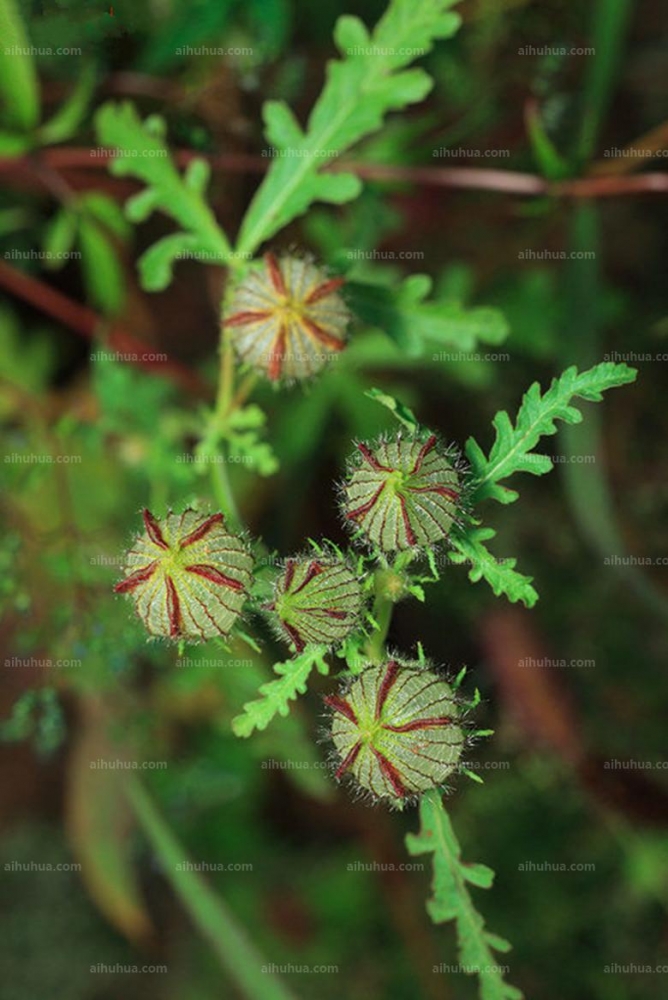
x=397 y=731
x=402 y=493
x=316 y=601
x=289 y=318
x=187 y=575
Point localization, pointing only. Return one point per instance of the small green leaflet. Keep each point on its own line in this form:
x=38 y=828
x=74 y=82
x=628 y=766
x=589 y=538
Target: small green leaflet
x=277 y=694
x=451 y=899
x=401 y=412
x=500 y=574
x=359 y=91
x=141 y=152
x=512 y=449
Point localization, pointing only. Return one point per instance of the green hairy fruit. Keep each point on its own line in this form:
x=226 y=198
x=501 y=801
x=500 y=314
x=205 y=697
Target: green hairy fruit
x=403 y=493
x=397 y=731
x=187 y=575
x=316 y=601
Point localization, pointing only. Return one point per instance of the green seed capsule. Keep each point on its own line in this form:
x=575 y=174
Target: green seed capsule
x=402 y=493
x=288 y=317
x=397 y=731
x=316 y=601
x=187 y=575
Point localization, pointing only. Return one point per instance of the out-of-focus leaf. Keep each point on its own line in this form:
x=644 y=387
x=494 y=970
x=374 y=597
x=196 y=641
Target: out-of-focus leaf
x=100 y=822
x=103 y=274
x=141 y=152
x=18 y=78
x=107 y=211
x=71 y=113
x=417 y=325
x=59 y=237
x=14 y=144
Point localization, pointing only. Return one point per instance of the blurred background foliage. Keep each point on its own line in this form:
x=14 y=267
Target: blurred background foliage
x=123 y=430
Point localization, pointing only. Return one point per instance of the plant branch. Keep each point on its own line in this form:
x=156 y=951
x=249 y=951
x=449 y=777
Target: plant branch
x=88 y=324
x=471 y=178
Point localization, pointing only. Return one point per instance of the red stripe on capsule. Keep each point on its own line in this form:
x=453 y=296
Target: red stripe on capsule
x=204 y=528
x=275 y=275
x=409 y=727
x=153 y=530
x=135 y=579
x=249 y=316
x=428 y=446
x=391 y=774
x=173 y=608
x=386 y=686
x=341 y=705
x=348 y=760
x=214 y=575
x=322 y=291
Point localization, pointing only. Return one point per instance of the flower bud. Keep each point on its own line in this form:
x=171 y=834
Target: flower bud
x=397 y=731
x=316 y=601
x=289 y=318
x=402 y=493
x=187 y=575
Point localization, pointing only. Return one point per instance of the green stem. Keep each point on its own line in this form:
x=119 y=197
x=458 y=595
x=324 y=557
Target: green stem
x=236 y=952
x=222 y=488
